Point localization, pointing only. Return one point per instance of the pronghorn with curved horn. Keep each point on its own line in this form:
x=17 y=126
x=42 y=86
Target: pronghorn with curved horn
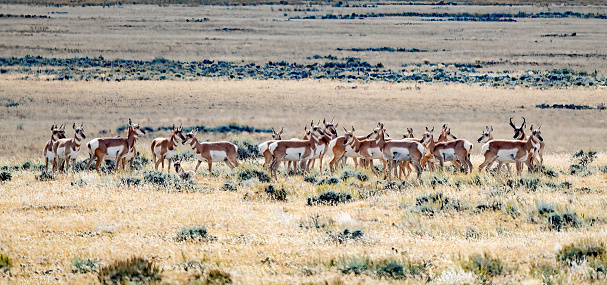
x=213 y=151
x=57 y=134
x=367 y=149
x=295 y=150
x=113 y=148
x=263 y=147
x=515 y=151
x=398 y=150
x=330 y=134
x=166 y=148
x=458 y=149
x=322 y=145
x=519 y=134
x=68 y=149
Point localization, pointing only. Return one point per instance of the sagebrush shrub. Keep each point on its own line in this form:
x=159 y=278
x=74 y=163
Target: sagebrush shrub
x=85 y=265
x=195 y=233
x=330 y=198
x=577 y=252
x=132 y=270
x=5 y=176
x=484 y=265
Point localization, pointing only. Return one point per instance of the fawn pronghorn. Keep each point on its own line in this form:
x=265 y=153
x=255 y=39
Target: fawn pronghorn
x=113 y=148
x=295 y=150
x=185 y=175
x=68 y=149
x=516 y=151
x=486 y=136
x=398 y=150
x=458 y=149
x=365 y=148
x=519 y=134
x=166 y=148
x=263 y=147
x=57 y=134
x=212 y=151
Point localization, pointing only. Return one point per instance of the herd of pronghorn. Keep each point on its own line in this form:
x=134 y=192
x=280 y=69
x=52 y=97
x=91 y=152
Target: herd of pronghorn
x=318 y=141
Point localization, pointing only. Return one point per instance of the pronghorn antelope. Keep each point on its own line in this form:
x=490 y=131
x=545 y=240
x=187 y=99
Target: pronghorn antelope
x=130 y=156
x=486 y=136
x=57 y=134
x=322 y=145
x=365 y=148
x=263 y=147
x=512 y=151
x=458 y=149
x=519 y=134
x=341 y=151
x=398 y=150
x=295 y=150
x=213 y=151
x=113 y=148
x=68 y=149
x=330 y=134
x=166 y=148
x=445 y=136
x=185 y=175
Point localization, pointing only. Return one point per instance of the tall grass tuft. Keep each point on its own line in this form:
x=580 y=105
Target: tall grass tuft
x=484 y=265
x=132 y=270
x=5 y=263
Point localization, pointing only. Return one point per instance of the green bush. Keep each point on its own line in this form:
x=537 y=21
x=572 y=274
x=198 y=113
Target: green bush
x=577 y=252
x=196 y=233
x=248 y=148
x=132 y=270
x=5 y=263
x=229 y=186
x=5 y=176
x=85 y=265
x=484 y=265
x=279 y=195
x=330 y=198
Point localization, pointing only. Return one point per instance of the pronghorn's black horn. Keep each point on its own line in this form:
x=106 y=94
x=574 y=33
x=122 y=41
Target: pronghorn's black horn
x=512 y=124
x=524 y=123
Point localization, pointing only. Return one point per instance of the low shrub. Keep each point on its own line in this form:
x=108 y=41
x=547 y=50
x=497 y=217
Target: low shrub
x=580 y=251
x=328 y=181
x=80 y=182
x=248 y=148
x=345 y=236
x=132 y=270
x=360 y=175
x=129 y=181
x=85 y=265
x=279 y=195
x=5 y=263
x=484 y=265
x=195 y=233
x=229 y=186
x=330 y=198
x=187 y=155
x=211 y=276
x=5 y=176
x=45 y=176
x=437 y=202
x=546 y=272
x=168 y=181
x=311 y=178
x=247 y=172
x=384 y=268
x=563 y=219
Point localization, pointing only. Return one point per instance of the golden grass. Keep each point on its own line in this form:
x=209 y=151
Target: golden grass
x=46 y=225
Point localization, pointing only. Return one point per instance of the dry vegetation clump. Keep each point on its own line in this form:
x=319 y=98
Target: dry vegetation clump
x=194 y=233
x=5 y=263
x=86 y=265
x=132 y=270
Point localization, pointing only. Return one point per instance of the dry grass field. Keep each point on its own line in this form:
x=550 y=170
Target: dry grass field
x=350 y=227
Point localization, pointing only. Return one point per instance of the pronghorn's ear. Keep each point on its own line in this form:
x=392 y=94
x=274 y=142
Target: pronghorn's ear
x=352 y=128
x=130 y=122
x=531 y=127
x=432 y=129
x=492 y=128
x=336 y=125
x=427 y=130
x=82 y=125
x=324 y=121
x=180 y=127
x=312 y=123
x=74 y=126
x=444 y=127
x=173 y=127
x=538 y=128
x=281 y=129
x=486 y=128
x=346 y=130
x=332 y=120
x=52 y=127
x=273 y=131
x=63 y=127
x=305 y=128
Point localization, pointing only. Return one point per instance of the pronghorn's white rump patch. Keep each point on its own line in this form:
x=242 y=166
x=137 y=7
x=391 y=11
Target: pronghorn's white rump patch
x=216 y=155
x=421 y=148
x=93 y=145
x=400 y=153
x=273 y=147
x=468 y=146
x=263 y=147
x=375 y=153
x=320 y=149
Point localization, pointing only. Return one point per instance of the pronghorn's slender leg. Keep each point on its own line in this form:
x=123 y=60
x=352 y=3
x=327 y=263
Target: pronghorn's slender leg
x=197 y=164
x=162 y=159
x=210 y=162
x=155 y=161
x=488 y=160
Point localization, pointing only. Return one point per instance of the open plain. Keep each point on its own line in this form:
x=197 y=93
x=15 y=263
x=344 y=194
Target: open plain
x=352 y=226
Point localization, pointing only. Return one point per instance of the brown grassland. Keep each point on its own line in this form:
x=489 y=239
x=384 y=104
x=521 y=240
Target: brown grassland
x=48 y=228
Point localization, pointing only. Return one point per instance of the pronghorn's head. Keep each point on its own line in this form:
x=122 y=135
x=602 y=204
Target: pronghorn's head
x=409 y=134
x=177 y=165
x=316 y=131
x=330 y=127
x=537 y=133
x=378 y=132
x=487 y=135
x=178 y=132
x=348 y=136
x=428 y=136
x=136 y=129
x=79 y=131
x=277 y=135
x=191 y=135
x=519 y=133
x=58 y=132
x=445 y=134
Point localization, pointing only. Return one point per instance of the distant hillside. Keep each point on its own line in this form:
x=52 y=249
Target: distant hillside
x=299 y=2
